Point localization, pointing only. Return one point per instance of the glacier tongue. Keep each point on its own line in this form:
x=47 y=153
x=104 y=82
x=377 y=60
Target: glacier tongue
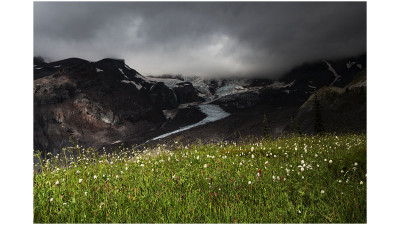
x=213 y=112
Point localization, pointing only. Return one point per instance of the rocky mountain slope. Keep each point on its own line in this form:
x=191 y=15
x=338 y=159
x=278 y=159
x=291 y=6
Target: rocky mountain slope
x=287 y=102
x=107 y=103
x=97 y=102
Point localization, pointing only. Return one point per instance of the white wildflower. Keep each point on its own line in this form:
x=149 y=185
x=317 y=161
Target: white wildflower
x=330 y=161
x=80 y=180
x=95 y=177
x=249 y=182
x=322 y=191
x=361 y=182
x=205 y=165
x=51 y=199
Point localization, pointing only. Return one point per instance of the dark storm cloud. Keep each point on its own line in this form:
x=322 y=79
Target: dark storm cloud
x=201 y=38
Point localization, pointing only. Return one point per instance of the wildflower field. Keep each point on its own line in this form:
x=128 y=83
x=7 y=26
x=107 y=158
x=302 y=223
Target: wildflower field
x=308 y=179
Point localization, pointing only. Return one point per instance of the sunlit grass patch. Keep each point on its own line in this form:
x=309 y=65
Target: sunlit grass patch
x=320 y=179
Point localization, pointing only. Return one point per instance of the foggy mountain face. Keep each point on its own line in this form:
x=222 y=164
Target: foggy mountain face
x=201 y=38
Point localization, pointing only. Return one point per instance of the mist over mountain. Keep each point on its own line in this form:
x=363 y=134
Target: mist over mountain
x=208 y=39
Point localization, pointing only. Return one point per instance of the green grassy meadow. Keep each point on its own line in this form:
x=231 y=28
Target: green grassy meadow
x=307 y=179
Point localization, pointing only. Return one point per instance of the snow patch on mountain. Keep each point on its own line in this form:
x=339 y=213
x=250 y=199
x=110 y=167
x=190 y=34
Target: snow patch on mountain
x=143 y=77
x=312 y=87
x=169 y=82
x=200 y=84
x=138 y=86
x=350 y=64
x=337 y=76
x=126 y=66
x=98 y=70
x=279 y=85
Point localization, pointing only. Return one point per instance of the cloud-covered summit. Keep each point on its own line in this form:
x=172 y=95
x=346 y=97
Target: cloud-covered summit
x=201 y=38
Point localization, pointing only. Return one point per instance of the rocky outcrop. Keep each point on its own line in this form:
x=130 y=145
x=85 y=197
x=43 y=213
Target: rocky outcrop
x=186 y=93
x=342 y=110
x=163 y=97
x=96 y=103
x=238 y=101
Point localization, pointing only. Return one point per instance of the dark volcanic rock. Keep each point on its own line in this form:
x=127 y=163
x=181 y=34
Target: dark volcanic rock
x=238 y=101
x=163 y=97
x=186 y=93
x=311 y=76
x=95 y=102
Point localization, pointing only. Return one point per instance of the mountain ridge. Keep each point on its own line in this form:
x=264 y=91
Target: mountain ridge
x=107 y=101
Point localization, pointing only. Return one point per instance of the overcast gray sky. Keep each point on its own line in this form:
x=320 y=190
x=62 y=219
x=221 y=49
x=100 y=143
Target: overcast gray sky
x=201 y=38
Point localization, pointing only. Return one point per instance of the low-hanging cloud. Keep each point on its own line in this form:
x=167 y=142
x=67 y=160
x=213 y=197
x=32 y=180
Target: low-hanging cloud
x=201 y=38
